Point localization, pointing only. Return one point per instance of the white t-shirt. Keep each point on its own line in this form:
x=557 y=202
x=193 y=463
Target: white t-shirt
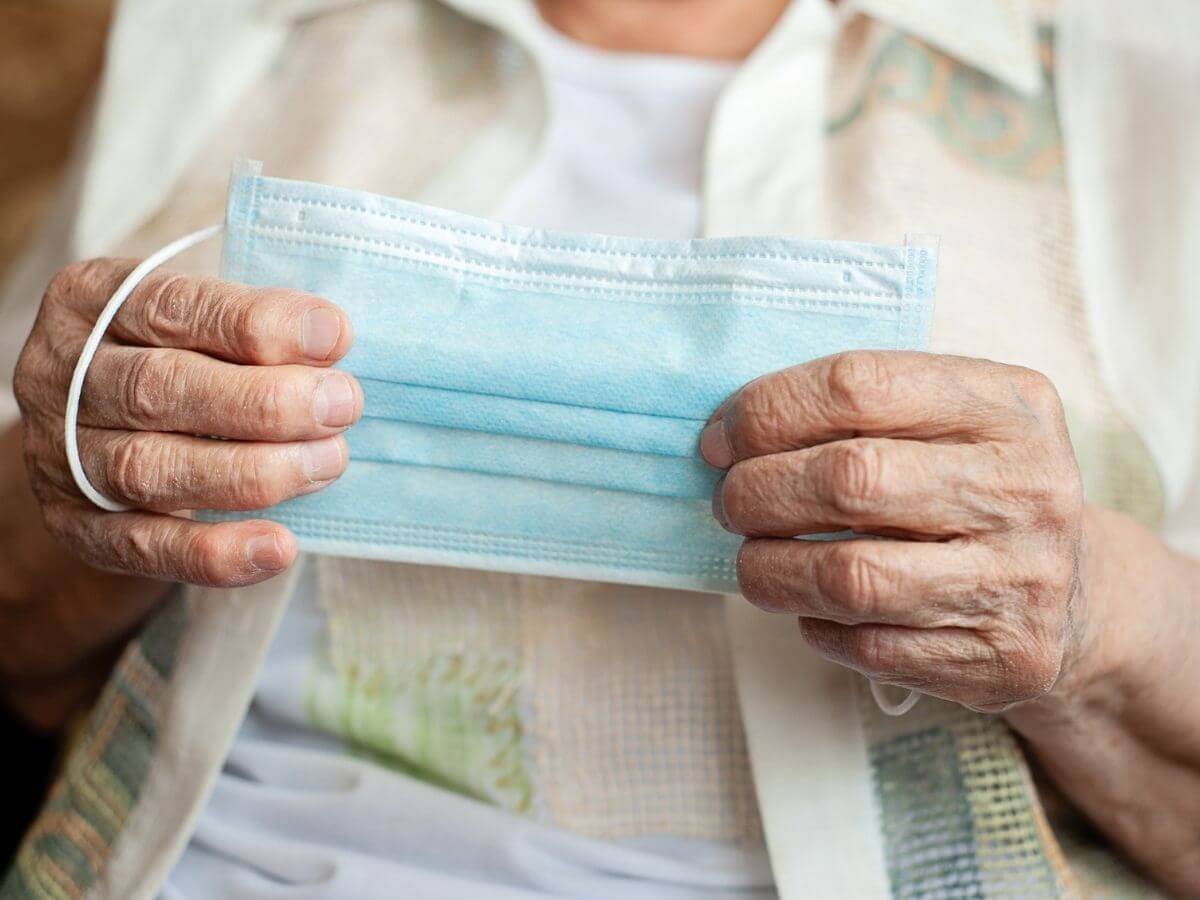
x=624 y=147
x=295 y=813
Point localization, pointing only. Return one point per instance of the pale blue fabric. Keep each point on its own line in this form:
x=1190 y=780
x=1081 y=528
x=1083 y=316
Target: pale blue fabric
x=534 y=399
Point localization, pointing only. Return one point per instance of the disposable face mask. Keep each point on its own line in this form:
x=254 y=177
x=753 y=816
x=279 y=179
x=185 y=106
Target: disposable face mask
x=534 y=399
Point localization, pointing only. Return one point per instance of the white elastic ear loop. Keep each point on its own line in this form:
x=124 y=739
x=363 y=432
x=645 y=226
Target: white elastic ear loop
x=71 y=419
x=886 y=706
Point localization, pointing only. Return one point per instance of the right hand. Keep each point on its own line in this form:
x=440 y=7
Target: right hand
x=185 y=360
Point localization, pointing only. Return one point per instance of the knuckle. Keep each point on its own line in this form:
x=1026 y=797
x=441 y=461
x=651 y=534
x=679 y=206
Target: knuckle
x=264 y=481
x=1040 y=394
x=857 y=380
x=1054 y=501
x=274 y=401
x=854 y=579
x=169 y=310
x=143 y=551
x=207 y=559
x=871 y=650
x=249 y=330
x=1038 y=677
x=856 y=477
x=134 y=468
x=1030 y=667
x=760 y=417
x=145 y=383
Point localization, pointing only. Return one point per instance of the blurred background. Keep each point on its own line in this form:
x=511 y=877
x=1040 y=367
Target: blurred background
x=50 y=55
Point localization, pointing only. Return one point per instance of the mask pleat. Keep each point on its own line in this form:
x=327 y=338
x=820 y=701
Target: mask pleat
x=662 y=435
x=381 y=440
x=534 y=400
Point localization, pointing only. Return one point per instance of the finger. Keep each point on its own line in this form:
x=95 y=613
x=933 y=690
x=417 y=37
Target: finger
x=225 y=554
x=179 y=390
x=867 y=484
x=259 y=326
x=953 y=664
x=168 y=472
x=912 y=395
x=910 y=583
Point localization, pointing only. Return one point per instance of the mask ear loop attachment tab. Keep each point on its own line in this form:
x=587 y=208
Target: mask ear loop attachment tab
x=71 y=417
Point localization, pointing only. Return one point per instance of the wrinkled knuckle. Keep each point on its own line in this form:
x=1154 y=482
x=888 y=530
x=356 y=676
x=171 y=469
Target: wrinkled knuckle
x=759 y=418
x=169 y=311
x=146 y=382
x=1055 y=501
x=274 y=402
x=872 y=650
x=139 y=552
x=857 y=380
x=135 y=468
x=862 y=583
x=856 y=477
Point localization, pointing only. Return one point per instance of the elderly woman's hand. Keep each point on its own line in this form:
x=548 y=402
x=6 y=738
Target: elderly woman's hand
x=993 y=585
x=186 y=360
x=963 y=466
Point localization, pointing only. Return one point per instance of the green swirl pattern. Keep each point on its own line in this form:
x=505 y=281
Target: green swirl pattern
x=979 y=118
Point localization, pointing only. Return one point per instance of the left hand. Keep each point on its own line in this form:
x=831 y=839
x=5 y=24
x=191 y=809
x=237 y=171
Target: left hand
x=963 y=467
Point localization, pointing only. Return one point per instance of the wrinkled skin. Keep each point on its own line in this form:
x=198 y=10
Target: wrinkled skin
x=186 y=360
x=964 y=465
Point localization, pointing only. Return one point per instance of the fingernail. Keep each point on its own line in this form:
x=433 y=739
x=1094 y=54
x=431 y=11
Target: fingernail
x=322 y=459
x=715 y=446
x=320 y=330
x=264 y=553
x=335 y=401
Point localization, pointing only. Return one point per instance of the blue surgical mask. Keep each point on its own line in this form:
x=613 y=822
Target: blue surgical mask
x=534 y=399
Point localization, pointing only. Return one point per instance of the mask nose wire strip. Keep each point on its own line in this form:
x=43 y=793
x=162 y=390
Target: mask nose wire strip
x=71 y=418
x=886 y=706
